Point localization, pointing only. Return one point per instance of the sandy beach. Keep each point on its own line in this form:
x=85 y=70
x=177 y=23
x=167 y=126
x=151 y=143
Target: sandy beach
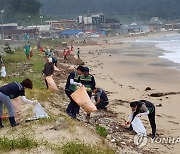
x=125 y=68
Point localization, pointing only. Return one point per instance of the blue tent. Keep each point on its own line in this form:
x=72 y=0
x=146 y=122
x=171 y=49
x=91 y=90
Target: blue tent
x=70 y=32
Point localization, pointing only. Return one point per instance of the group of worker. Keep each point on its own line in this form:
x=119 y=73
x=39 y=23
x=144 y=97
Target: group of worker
x=78 y=77
x=69 y=51
x=82 y=77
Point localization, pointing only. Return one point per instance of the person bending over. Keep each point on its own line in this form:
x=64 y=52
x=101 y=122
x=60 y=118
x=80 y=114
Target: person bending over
x=101 y=98
x=143 y=107
x=11 y=91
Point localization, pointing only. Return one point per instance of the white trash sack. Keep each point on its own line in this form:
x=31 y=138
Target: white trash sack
x=3 y=71
x=138 y=126
x=39 y=113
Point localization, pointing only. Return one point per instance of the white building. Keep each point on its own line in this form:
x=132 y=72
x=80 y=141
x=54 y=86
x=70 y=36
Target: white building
x=87 y=20
x=41 y=28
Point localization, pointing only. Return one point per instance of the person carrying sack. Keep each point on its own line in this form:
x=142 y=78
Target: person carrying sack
x=140 y=108
x=71 y=86
x=12 y=91
x=48 y=69
x=89 y=83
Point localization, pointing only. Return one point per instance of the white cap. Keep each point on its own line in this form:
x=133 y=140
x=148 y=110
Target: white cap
x=72 y=68
x=50 y=60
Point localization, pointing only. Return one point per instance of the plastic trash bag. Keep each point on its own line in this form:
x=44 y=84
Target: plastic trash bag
x=51 y=84
x=17 y=108
x=3 y=71
x=138 y=126
x=38 y=113
x=81 y=97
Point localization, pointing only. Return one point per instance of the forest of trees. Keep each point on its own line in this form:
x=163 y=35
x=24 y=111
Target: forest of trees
x=142 y=9
x=19 y=10
x=24 y=11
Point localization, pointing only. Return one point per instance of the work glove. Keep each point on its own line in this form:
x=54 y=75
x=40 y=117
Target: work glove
x=35 y=102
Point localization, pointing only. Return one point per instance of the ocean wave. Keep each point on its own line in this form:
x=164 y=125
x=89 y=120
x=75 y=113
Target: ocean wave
x=174 y=50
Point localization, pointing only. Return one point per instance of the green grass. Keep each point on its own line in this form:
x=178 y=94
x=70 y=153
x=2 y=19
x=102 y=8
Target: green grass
x=19 y=68
x=101 y=131
x=18 y=65
x=82 y=148
x=17 y=57
x=23 y=142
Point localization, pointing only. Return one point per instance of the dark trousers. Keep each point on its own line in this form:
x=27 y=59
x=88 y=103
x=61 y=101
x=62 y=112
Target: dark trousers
x=73 y=107
x=151 y=117
x=55 y=63
x=65 y=57
x=90 y=94
x=102 y=105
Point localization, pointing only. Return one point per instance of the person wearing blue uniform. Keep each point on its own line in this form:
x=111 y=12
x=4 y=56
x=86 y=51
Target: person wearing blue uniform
x=11 y=91
x=71 y=86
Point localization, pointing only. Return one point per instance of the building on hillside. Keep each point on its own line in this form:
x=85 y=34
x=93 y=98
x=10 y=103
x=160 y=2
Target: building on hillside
x=9 y=26
x=95 y=19
x=41 y=28
x=155 y=24
x=111 y=26
x=44 y=30
x=21 y=34
x=98 y=19
x=136 y=28
x=62 y=24
x=6 y=27
x=13 y=31
x=173 y=26
x=155 y=27
x=155 y=20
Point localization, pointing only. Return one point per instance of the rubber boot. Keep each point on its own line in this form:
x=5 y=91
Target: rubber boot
x=13 y=122
x=1 y=126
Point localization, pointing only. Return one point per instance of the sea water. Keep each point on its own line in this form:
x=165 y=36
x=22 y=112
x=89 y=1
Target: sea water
x=169 y=43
